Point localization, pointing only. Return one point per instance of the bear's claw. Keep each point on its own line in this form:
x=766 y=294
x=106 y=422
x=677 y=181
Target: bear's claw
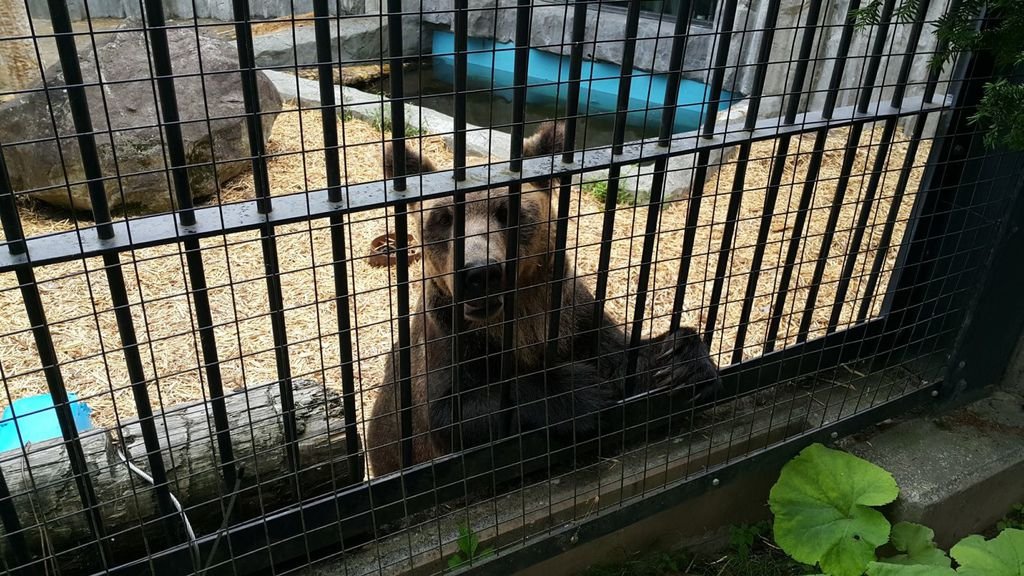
x=689 y=366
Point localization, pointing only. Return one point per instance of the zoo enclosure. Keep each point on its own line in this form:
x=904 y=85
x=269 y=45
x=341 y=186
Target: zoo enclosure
x=836 y=350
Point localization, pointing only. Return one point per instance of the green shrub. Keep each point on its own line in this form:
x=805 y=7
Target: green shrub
x=825 y=506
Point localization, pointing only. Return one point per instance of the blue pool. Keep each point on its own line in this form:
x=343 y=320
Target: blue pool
x=490 y=66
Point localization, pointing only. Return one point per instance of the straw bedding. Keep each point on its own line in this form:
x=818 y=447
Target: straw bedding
x=78 y=306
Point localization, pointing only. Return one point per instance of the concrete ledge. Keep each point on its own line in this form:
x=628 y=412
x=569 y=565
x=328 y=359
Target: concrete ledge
x=959 y=472
x=373 y=107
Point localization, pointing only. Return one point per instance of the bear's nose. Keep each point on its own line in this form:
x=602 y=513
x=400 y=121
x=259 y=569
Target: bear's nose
x=477 y=280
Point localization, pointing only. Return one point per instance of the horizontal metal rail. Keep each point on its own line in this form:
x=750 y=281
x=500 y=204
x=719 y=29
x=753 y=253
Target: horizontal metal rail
x=243 y=216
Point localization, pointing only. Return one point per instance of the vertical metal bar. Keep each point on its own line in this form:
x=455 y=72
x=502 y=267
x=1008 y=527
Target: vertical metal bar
x=775 y=178
x=140 y=391
x=13 y=232
x=654 y=206
x=211 y=362
x=764 y=51
x=207 y=337
x=268 y=241
x=579 y=29
x=908 y=57
x=890 y=220
x=797 y=236
x=461 y=30
x=14 y=235
x=700 y=173
x=394 y=9
x=626 y=75
x=12 y=527
x=156 y=26
x=251 y=102
x=852 y=141
x=876 y=56
x=881 y=156
x=618 y=136
x=724 y=34
x=853 y=250
x=122 y=311
x=796 y=87
x=839 y=63
x=328 y=118
x=739 y=179
x=339 y=256
x=849 y=157
x=524 y=13
x=565 y=183
x=935 y=71
x=811 y=177
x=509 y=369
x=728 y=234
x=79 y=103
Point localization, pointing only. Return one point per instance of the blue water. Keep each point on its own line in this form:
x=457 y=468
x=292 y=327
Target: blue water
x=490 y=67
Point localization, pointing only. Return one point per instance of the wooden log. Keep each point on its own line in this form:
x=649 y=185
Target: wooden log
x=45 y=496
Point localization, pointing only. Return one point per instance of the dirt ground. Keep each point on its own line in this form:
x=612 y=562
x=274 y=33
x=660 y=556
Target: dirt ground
x=84 y=330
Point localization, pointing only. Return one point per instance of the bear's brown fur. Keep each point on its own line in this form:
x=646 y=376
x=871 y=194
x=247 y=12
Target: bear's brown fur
x=588 y=374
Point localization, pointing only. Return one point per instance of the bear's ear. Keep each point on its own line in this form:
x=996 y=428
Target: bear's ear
x=549 y=139
x=414 y=163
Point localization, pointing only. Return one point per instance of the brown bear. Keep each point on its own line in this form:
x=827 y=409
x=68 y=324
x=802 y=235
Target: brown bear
x=567 y=394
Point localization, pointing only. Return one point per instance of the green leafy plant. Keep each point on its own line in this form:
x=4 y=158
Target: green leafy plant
x=742 y=538
x=599 y=190
x=382 y=122
x=1001 y=110
x=1000 y=556
x=916 y=546
x=1015 y=519
x=469 y=548
x=823 y=509
x=825 y=515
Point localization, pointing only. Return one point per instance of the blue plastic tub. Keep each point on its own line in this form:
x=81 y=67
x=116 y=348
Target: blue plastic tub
x=36 y=419
x=491 y=64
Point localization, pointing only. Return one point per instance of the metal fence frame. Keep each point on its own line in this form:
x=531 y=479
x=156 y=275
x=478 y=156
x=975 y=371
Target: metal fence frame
x=947 y=211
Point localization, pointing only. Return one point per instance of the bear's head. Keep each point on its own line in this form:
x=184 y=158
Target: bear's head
x=481 y=280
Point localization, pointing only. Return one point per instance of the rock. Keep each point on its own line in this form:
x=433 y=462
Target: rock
x=361 y=39
x=211 y=109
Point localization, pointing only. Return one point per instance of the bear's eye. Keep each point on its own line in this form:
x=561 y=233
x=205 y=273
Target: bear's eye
x=501 y=214
x=440 y=219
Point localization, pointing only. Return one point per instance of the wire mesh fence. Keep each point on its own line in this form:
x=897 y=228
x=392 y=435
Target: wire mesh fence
x=325 y=279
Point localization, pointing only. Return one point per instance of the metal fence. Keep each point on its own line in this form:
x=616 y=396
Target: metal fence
x=617 y=315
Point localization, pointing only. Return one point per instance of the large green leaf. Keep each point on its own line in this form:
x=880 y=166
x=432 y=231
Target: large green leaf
x=917 y=546
x=883 y=569
x=822 y=509
x=1000 y=556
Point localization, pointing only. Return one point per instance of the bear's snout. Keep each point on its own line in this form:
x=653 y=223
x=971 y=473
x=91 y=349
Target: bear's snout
x=480 y=284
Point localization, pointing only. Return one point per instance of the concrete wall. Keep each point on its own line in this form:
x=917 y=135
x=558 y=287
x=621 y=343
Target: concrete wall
x=552 y=25
x=207 y=9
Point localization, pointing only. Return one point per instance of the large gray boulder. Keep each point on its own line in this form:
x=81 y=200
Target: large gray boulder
x=125 y=118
